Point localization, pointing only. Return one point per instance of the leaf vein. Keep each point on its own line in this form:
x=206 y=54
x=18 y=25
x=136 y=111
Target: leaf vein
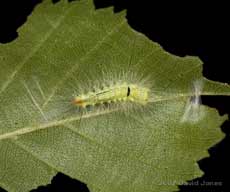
x=31 y=54
x=69 y=72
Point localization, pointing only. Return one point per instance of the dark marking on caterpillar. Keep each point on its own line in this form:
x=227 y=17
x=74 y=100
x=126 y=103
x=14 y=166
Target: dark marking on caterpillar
x=128 y=93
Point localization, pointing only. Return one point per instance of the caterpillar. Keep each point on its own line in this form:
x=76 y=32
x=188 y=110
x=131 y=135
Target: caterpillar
x=122 y=92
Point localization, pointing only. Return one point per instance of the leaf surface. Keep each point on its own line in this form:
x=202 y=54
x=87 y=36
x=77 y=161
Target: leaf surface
x=68 y=46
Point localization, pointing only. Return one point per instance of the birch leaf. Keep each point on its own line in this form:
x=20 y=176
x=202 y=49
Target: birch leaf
x=67 y=49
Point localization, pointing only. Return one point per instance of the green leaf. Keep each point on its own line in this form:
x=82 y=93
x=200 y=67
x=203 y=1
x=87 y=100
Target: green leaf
x=68 y=46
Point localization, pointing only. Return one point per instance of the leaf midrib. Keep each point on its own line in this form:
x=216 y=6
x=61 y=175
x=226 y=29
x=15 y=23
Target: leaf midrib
x=30 y=129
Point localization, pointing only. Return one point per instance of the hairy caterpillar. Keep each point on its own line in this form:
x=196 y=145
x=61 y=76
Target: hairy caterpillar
x=122 y=92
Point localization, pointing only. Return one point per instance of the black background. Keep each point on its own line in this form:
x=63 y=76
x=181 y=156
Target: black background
x=182 y=28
